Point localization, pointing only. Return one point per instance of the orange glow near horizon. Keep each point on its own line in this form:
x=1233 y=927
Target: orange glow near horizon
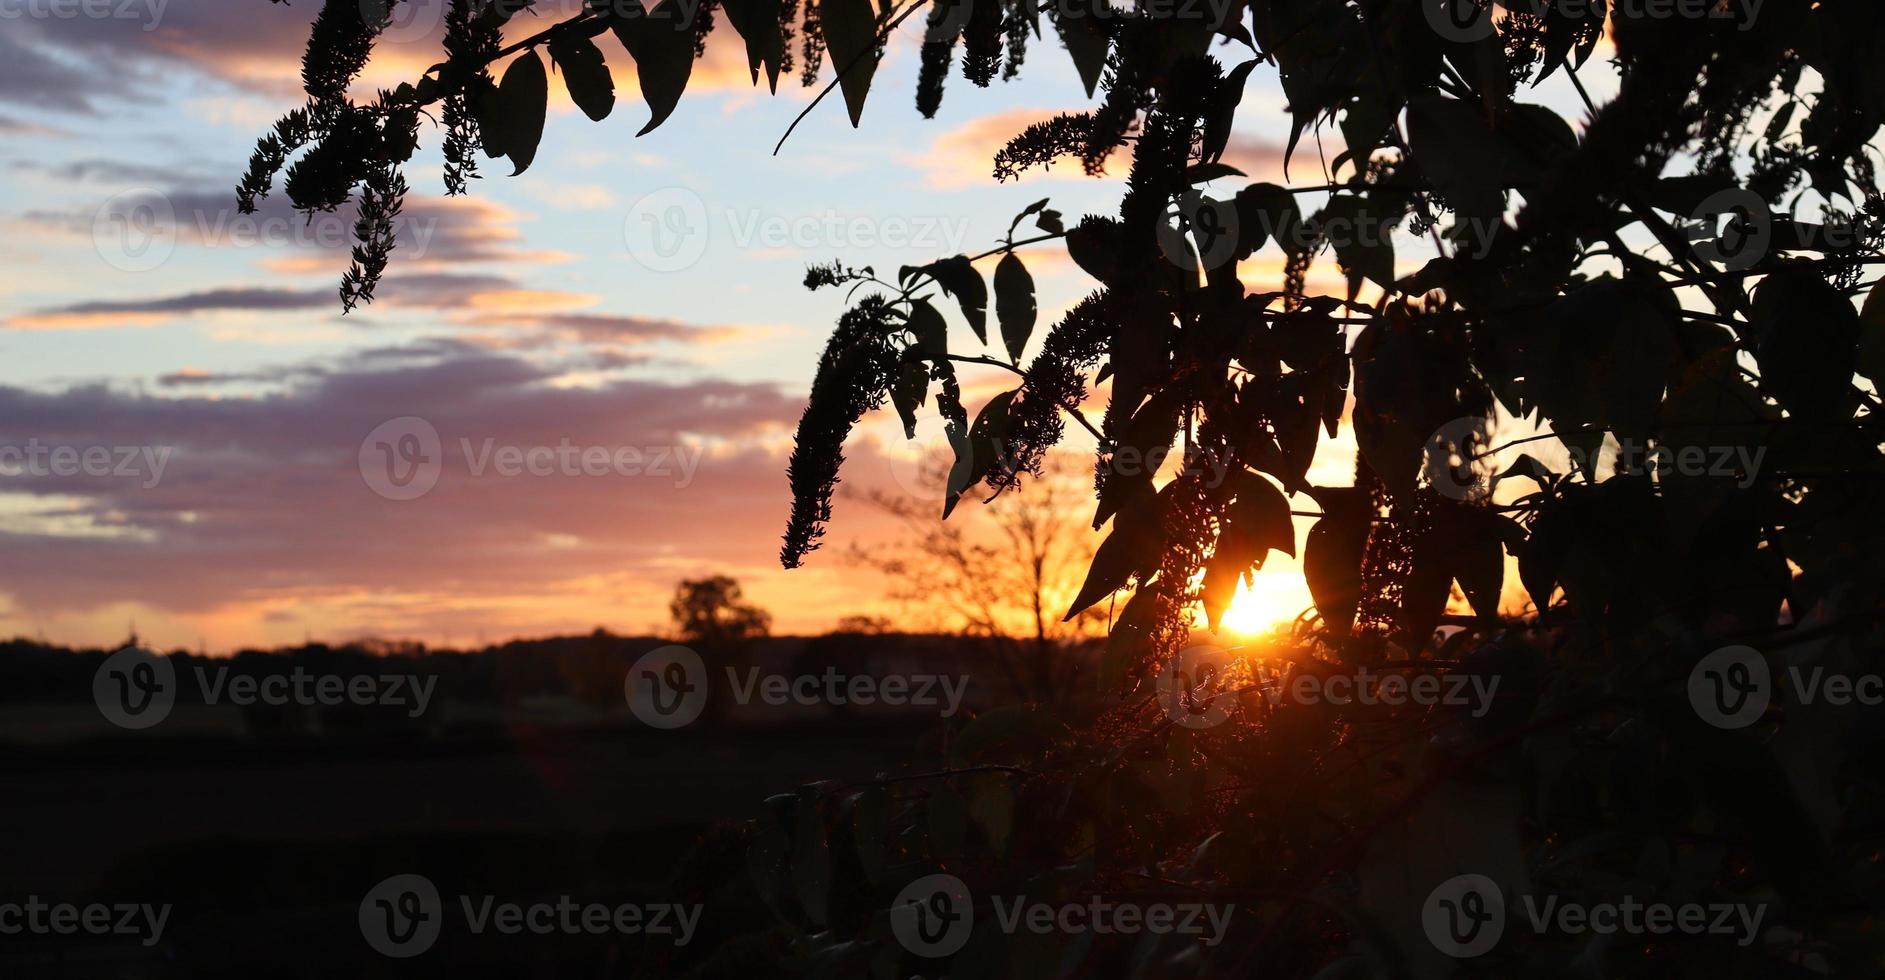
x=1273 y=601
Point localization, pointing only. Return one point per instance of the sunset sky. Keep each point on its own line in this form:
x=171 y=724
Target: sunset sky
x=139 y=310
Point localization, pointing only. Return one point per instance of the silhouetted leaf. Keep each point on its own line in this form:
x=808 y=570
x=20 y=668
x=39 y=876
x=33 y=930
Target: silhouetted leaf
x=1526 y=466
x=980 y=452
x=662 y=44
x=870 y=830
x=1131 y=549
x=1807 y=337
x=524 y=96
x=909 y=390
x=811 y=862
x=851 y=32
x=1474 y=542
x=927 y=325
x=991 y=806
x=1218 y=121
x=758 y=22
x=1014 y=304
x=1267 y=212
x=481 y=96
x=1332 y=555
x=1364 y=245
x=1456 y=150
x=1093 y=244
x=585 y=73
x=1200 y=173
x=1086 y=42
x=1871 y=361
x=960 y=279
x=1256 y=523
x=947 y=818
x=1130 y=642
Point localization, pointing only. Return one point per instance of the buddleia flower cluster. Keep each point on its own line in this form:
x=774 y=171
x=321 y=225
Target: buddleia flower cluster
x=853 y=378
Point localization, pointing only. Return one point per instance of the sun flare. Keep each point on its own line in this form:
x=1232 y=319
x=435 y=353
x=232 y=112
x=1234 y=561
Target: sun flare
x=1272 y=601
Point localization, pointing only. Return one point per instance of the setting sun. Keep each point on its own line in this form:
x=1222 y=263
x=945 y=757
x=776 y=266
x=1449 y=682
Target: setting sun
x=1275 y=599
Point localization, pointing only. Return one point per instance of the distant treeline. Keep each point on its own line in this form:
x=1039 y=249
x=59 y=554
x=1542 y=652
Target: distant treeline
x=585 y=669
